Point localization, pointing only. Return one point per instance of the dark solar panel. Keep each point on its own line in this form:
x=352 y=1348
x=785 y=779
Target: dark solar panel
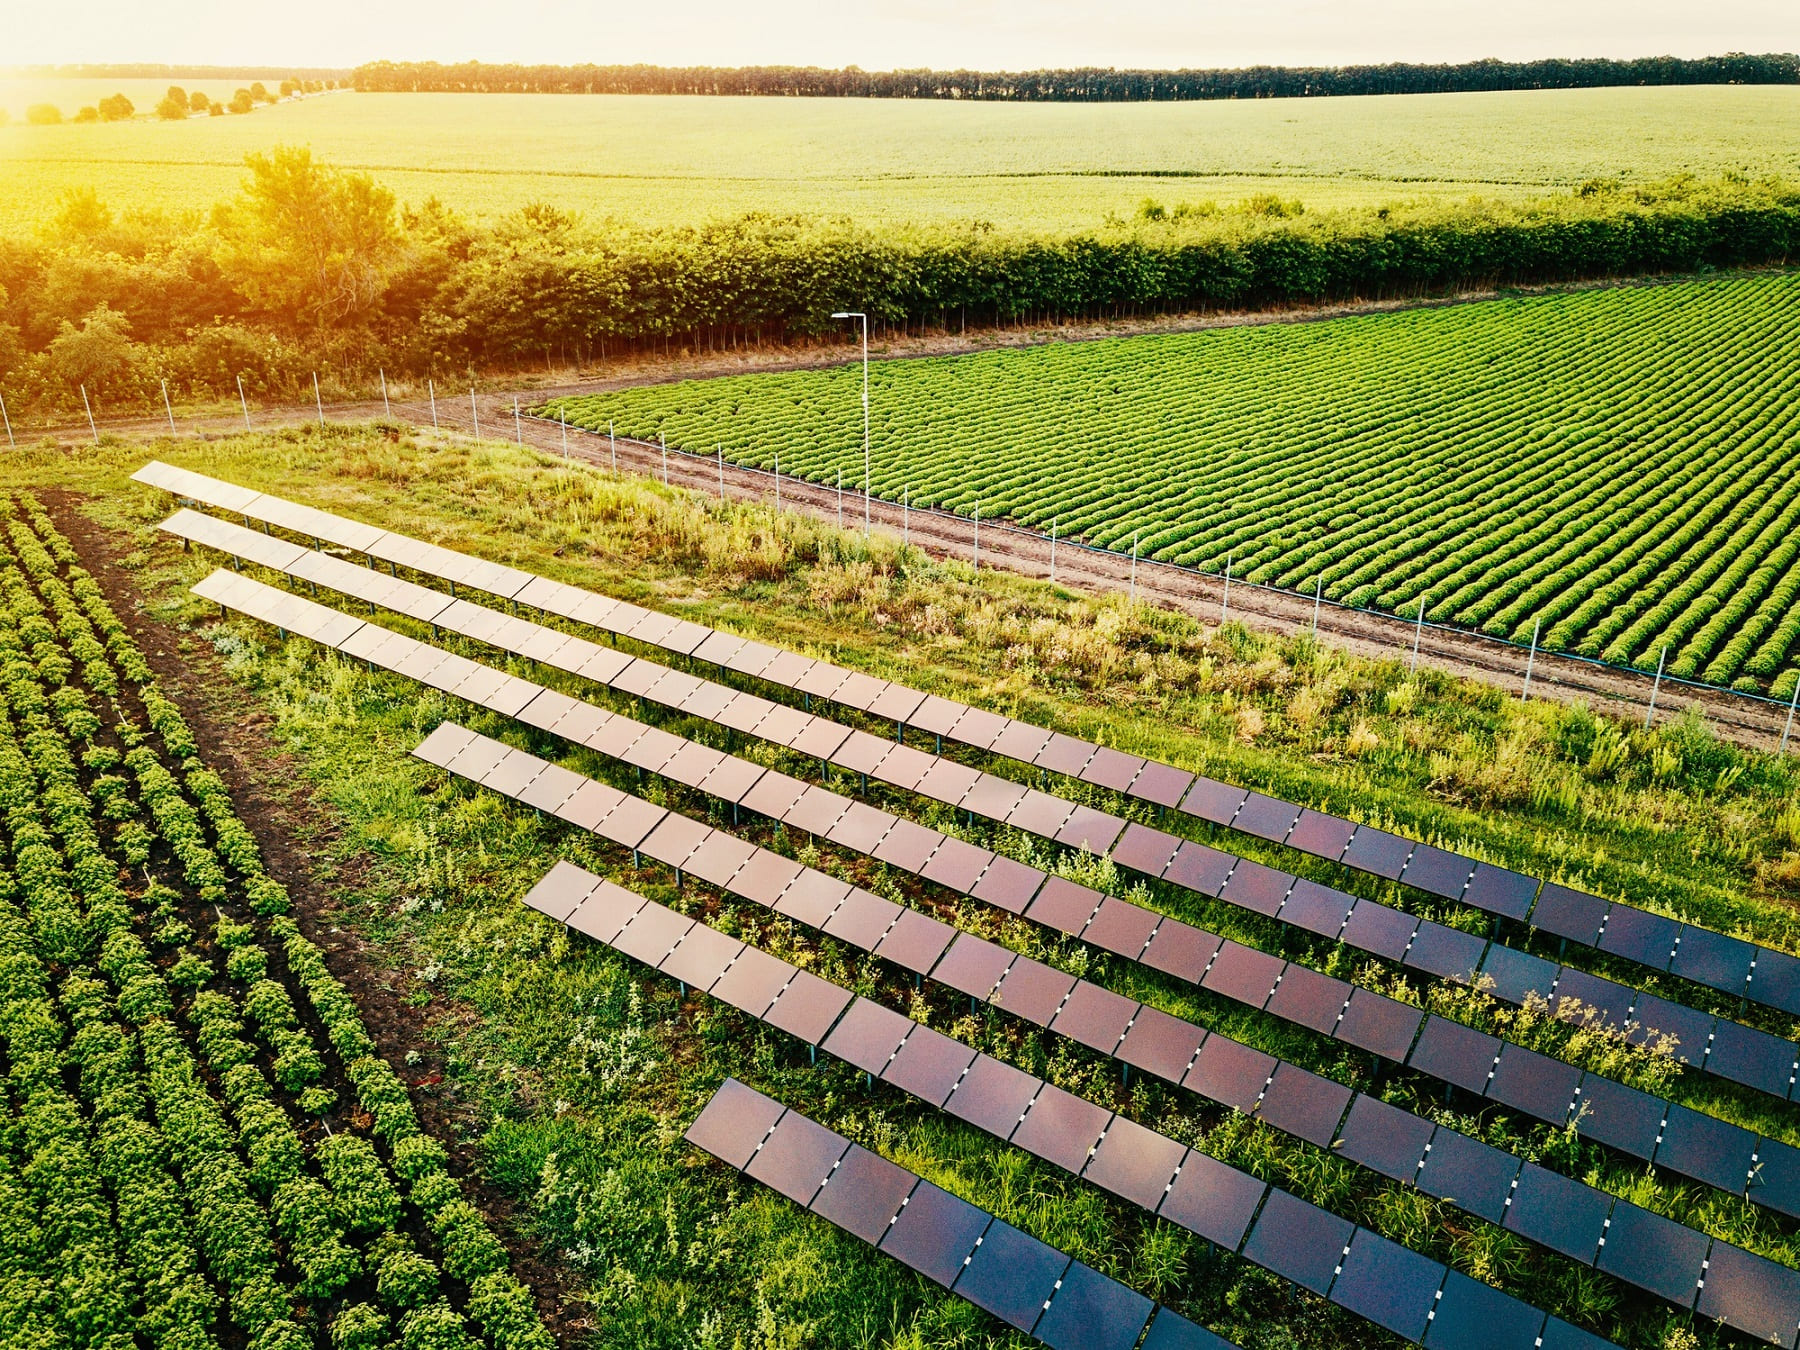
x=1304 y=1104
x=864 y=1193
x=1751 y=1293
x=1180 y=949
x=1172 y=1331
x=1444 y=951
x=1094 y=1016
x=753 y=981
x=1712 y=959
x=1012 y=1275
x=1687 y=1027
x=1199 y=868
x=701 y=957
x=812 y=898
x=1384 y=1138
x=978 y=727
x=1121 y=927
x=1212 y=800
x=992 y=1096
x=691 y=764
x=915 y=941
x=1534 y=1083
x=1033 y=990
x=972 y=965
x=816 y=811
x=1775 y=982
x=1377 y=851
x=1580 y=996
x=1061 y=1128
x=1161 y=784
x=675 y=838
x=1653 y=1253
x=1638 y=935
x=1243 y=973
x=862 y=919
x=1091 y=1312
x=720 y=857
x=868 y=1035
x=1143 y=849
x=1476 y=1316
x=797 y=1157
x=1706 y=1148
x=1135 y=1162
x=947 y=781
x=1089 y=830
x=1374 y=927
x=957 y=865
x=1064 y=754
x=1469 y=1174
x=1112 y=769
x=1008 y=885
x=1321 y=835
x=819 y=738
x=1437 y=871
x=1064 y=905
x=734 y=1123
x=1229 y=1072
x=896 y=703
x=1497 y=890
x=766 y=876
x=993 y=798
x=1299 y=1241
x=934 y=1233
x=1266 y=817
x=928 y=1065
x=1317 y=909
x=1160 y=1044
x=1389 y=1285
x=1212 y=1200
x=807 y=1007
x=1516 y=974
x=861 y=752
x=1381 y=1025
x=1454 y=1053
x=937 y=715
x=1020 y=741
x=907 y=846
x=1622 y=1116
x=1257 y=888
x=1309 y=998
x=1041 y=814
x=1777 y=1177
x=1754 y=1058
x=652 y=933
x=1564 y=1215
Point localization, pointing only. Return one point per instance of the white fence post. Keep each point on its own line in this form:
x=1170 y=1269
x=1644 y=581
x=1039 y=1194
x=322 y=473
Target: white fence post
x=978 y=537
x=1790 y=717
x=721 y=450
x=1134 y=546
x=1225 y=600
x=518 y=426
x=1418 y=632
x=90 y=413
x=317 y=401
x=387 y=408
x=1657 y=686
x=663 y=442
x=562 y=415
x=1053 y=521
x=243 y=402
x=1318 y=594
x=7 y=418
x=778 y=480
x=906 y=516
x=474 y=412
x=168 y=407
x=431 y=392
x=1530 y=661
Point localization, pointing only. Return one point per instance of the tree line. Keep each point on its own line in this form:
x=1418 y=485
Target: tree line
x=314 y=268
x=1076 y=86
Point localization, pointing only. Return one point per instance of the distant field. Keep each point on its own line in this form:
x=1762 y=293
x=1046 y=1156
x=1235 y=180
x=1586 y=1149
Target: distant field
x=657 y=161
x=1616 y=466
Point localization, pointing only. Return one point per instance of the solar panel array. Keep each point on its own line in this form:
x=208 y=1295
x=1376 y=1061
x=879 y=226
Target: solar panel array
x=1740 y=1054
x=1672 y=1135
x=1025 y=1283
x=1406 y=1293
x=1568 y=1217
x=1761 y=974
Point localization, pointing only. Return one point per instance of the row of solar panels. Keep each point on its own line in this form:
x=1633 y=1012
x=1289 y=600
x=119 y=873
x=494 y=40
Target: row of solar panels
x=1575 y=1220
x=1025 y=1283
x=1534 y=1202
x=1720 y=1046
x=1674 y=1136
x=1762 y=974
x=1408 y=1294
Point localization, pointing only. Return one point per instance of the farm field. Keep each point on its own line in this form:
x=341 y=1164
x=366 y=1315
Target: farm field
x=1611 y=468
x=653 y=161
x=197 y=1115
x=580 y=1068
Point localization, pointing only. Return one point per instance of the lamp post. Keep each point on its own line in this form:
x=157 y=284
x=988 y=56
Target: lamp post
x=864 y=320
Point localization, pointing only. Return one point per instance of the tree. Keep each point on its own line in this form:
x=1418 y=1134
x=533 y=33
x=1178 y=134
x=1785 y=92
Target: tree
x=115 y=108
x=215 y=109
x=289 y=88
x=242 y=102
x=174 y=105
x=88 y=114
x=260 y=93
x=99 y=355
x=309 y=243
x=199 y=102
x=43 y=114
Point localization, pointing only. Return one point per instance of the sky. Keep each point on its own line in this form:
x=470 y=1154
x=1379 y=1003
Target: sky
x=982 y=34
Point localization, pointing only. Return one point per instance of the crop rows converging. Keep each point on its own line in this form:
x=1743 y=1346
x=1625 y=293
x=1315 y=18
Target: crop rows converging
x=200 y=1146
x=1612 y=469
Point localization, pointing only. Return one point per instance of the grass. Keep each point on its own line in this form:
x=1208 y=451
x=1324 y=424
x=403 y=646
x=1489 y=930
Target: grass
x=585 y=1069
x=1059 y=167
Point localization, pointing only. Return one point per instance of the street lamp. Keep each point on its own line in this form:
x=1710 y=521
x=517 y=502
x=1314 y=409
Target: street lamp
x=864 y=318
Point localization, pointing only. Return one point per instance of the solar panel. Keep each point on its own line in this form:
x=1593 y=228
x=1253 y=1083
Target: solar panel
x=1377 y=851
x=1213 y=1200
x=1437 y=871
x=992 y=1096
x=796 y=1157
x=1534 y=1083
x=675 y=838
x=957 y=865
x=1172 y=1331
x=1580 y=995
x=1265 y=817
x=1257 y=888
x=1776 y=980
x=1376 y=928
x=1199 y=868
x=864 y=1194
x=1109 y=768
x=934 y=1233
x=1061 y=1128
x=905 y=767
x=819 y=738
x=807 y=1007
x=1229 y=1072
x=1712 y=959
x=605 y=912
x=720 y=857
x=1213 y=801
x=1064 y=754
x=1687 y=1028
x=1041 y=814
x=929 y=1064
x=1706 y=1148
x=907 y=846
x=1089 y=830
x=862 y=919
x=444 y=744
x=861 y=752
x=1516 y=974
x=973 y=965
x=1160 y=1044
x=1475 y=1316
x=937 y=715
x=1308 y=998
x=1777 y=1182
x=1091 y=1312
x=1321 y=835
x=701 y=956
x=1468 y=1173
x=732 y=780
x=1564 y=1215
x=1499 y=890
x=915 y=941
x=774 y=794
x=1621 y=1116
x=1143 y=849
x=1064 y=905
x=560 y=890
x=978 y=727
x=895 y=703
x=860 y=828
x=816 y=811
x=1243 y=973
x=753 y=981
x=1011 y=1275
x=1094 y=1016
x=1304 y=1104
x=1754 y=1058
x=1391 y=1286
x=1638 y=935
x=1180 y=949
x=868 y=1035
x=652 y=934
x=1751 y=1293
x=1654 y=1253
x=1446 y=952
x=589 y=808
x=1135 y=1163
x=1020 y=741
x=1383 y=1138
x=629 y=821
x=1299 y=1241
x=1315 y=908
x=812 y=898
